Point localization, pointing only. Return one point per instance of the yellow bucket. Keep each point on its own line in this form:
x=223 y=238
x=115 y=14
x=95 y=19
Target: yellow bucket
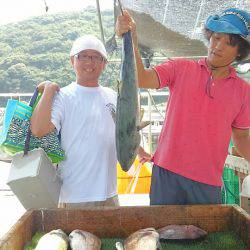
x=127 y=180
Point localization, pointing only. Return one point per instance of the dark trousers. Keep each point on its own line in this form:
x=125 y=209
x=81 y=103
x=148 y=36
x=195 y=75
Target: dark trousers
x=168 y=188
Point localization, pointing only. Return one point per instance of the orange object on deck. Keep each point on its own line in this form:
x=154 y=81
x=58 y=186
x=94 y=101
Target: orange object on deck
x=126 y=181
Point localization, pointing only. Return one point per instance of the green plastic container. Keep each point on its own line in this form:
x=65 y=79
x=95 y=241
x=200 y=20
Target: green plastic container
x=230 y=189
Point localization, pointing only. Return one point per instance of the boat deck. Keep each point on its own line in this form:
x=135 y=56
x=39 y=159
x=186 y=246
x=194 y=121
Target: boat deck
x=11 y=209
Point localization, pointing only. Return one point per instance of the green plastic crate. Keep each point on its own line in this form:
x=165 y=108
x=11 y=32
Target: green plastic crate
x=230 y=189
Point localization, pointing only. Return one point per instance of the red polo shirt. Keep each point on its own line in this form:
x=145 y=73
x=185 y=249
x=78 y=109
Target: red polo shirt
x=199 y=117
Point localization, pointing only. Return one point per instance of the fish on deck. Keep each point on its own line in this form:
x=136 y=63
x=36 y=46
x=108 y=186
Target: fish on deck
x=181 y=232
x=143 y=239
x=55 y=239
x=149 y=238
x=82 y=240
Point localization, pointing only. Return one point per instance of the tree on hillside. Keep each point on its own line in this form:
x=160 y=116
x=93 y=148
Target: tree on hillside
x=38 y=49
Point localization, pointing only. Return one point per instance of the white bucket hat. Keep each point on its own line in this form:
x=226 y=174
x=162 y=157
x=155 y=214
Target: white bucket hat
x=88 y=42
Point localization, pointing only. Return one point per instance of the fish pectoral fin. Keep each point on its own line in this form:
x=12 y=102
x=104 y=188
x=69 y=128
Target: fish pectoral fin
x=142 y=125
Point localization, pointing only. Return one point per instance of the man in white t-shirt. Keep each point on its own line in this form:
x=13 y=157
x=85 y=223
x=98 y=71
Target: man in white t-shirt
x=81 y=112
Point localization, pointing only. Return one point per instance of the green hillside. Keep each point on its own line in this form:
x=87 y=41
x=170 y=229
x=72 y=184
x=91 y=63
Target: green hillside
x=38 y=49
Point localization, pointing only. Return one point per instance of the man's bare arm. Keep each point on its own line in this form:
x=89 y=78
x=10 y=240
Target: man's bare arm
x=241 y=139
x=41 y=118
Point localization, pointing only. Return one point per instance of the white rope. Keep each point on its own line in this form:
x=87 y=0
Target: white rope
x=155 y=106
x=133 y=182
x=166 y=10
x=197 y=18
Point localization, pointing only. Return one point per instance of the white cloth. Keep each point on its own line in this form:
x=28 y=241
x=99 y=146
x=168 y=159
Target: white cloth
x=82 y=114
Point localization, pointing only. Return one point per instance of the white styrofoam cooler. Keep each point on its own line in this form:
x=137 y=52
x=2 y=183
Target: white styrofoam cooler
x=34 y=181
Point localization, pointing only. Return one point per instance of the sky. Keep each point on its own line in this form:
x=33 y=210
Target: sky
x=18 y=10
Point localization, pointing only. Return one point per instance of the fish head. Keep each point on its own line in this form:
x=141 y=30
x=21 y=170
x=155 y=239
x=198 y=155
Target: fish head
x=77 y=240
x=56 y=239
x=80 y=240
x=195 y=232
x=144 y=239
x=181 y=232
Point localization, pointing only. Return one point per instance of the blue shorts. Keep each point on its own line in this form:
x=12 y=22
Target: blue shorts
x=168 y=188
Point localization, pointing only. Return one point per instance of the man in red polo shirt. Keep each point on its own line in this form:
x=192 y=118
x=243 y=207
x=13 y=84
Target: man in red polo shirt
x=208 y=104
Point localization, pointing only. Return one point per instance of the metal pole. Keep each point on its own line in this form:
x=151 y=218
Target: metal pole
x=100 y=20
x=149 y=129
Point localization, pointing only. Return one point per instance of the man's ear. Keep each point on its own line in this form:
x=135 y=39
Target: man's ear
x=72 y=61
x=104 y=64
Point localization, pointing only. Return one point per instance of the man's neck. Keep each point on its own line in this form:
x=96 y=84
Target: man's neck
x=219 y=72
x=85 y=83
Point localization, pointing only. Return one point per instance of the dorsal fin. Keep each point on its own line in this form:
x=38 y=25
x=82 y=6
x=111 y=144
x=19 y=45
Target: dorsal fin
x=142 y=125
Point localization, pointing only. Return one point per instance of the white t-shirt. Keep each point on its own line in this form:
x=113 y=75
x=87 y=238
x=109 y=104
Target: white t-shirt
x=82 y=114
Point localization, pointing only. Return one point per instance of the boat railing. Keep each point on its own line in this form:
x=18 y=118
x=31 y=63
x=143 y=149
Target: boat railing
x=152 y=111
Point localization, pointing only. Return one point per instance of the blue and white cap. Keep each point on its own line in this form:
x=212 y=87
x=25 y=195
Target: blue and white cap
x=230 y=21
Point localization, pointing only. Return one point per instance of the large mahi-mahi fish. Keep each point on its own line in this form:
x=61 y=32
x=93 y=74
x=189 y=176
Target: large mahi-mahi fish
x=127 y=112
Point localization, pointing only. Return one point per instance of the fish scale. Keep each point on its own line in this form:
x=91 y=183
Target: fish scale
x=127 y=112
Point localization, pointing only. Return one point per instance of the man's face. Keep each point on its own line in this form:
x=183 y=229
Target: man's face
x=88 y=65
x=220 y=51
